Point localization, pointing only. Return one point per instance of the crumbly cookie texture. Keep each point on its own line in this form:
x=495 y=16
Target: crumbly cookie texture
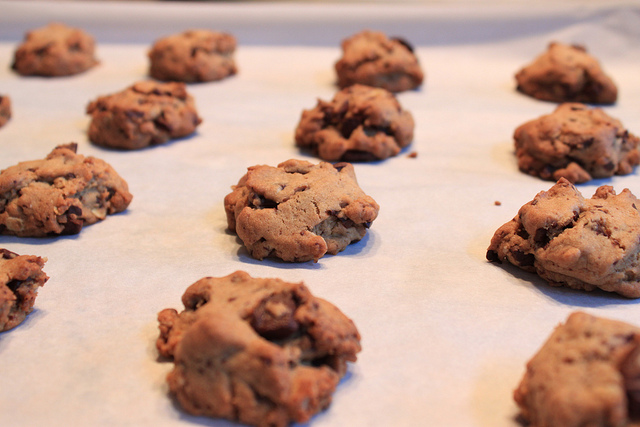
x=576 y=242
x=576 y=142
x=586 y=374
x=193 y=56
x=5 y=109
x=263 y=352
x=59 y=195
x=55 y=50
x=361 y=123
x=144 y=114
x=20 y=278
x=567 y=73
x=371 y=58
x=299 y=211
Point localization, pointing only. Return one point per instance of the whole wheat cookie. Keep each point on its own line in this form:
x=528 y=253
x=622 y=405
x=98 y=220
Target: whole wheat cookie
x=576 y=242
x=361 y=123
x=144 y=114
x=5 y=109
x=262 y=352
x=576 y=142
x=567 y=73
x=299 y=211
x=20 y=278
x=55 y=50
x=373 y=59
x=59 y=194
x=586 y=374
x=193 y=56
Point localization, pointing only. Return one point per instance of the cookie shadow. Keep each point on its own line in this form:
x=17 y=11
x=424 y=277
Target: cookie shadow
x=162 y=145
x=356 y=158
x=564 y=295
x=220 y=422
x=359 y=248
x=32 y=318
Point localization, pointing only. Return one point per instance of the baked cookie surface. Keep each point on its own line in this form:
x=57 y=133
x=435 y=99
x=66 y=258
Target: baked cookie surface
x=585 y=374
x=59 y=194
x=263 y=352
x=55 y=50
x=20 y=278
x=567 y=73
x=144 y=114
x=371 y=58
x=572 y=241
x=576 y=142
x=5 y=109
x=193 y=56
x=299 y=211
x=361 y=123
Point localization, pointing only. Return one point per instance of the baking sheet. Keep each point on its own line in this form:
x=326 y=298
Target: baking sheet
x=445 y=334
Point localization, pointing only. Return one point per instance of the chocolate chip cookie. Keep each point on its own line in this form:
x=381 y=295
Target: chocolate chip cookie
x=586 y=374
x=59 y=194
x=193 y=56
x=576 y=242
x=567 y=73
x=262 y=352
x=144 y=114
x=371 y=58
x=55 y=50
x=577 y=143
x=5 y=109
x=299 y=211
x=361 y=123
x=20 y=278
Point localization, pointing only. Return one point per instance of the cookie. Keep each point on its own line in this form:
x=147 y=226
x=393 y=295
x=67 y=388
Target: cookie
x=193 y=56
x=576 y=242
x=299 y=211
x=20 y=278
x=5 y=109
x=59 y=195
x=262 y=352
x=55 y=50
x=585 y=374
x=144 y=114
x=371 y=58
x=361 y=123
x=567 y=73
x=577 y=143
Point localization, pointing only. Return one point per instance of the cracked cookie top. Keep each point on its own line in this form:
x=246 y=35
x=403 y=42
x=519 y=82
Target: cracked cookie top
x=576 y=142
x=259 y=351
x=587 y=373
x=567 y=73
x=299 y=211
x=361 y=123
x=144 y=114
x=572 y=241
x=193 y=56
x=20 y=278
x=60 y=194
x=55 y=50
x=371 y=58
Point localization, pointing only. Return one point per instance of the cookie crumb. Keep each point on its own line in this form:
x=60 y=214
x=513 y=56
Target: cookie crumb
x=497 y=203
x=412 y=155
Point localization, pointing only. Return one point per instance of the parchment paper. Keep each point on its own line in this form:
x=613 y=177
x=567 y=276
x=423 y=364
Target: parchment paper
x=446 y=334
